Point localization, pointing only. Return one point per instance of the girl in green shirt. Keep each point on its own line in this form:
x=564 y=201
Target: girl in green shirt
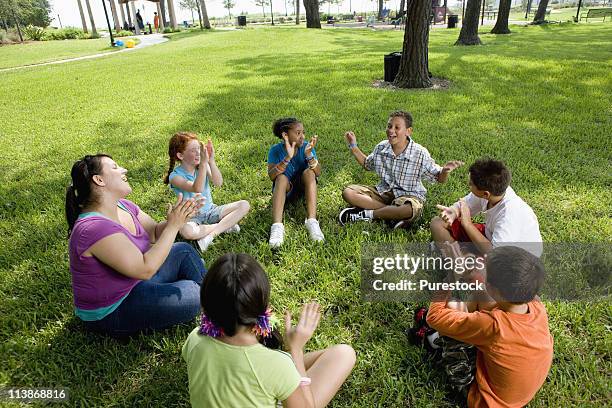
x=231 y=358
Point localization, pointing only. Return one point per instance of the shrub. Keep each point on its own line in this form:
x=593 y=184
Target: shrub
x=124 y=33
x=34 y=33
x=67 y=33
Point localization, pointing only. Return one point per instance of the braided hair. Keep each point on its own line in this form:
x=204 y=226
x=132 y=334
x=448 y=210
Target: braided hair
x=178 y=143
x=283 y=125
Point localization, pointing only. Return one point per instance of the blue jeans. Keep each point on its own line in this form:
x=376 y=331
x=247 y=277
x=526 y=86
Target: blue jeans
x=170 y=297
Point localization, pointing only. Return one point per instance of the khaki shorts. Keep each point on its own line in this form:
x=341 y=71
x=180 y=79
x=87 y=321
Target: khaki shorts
x=389 y=199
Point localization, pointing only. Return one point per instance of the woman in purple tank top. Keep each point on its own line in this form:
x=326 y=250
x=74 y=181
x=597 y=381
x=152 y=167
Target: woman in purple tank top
x=128 y=275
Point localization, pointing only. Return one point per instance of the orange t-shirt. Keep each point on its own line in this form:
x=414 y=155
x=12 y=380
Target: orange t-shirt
x=156 y=21
x=515 y=351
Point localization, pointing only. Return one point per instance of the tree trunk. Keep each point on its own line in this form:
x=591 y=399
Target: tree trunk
x=297 y=12
x=200 y=16
x=162 y=15
x=115 y=16
x=16 y=22
x=469 y=29
x=414 y=65
x=129 y=16
x=162 y=23
x=204 y=15
x=402 y=9
x=82 y=17
x=4 y=24
x=263 y=9
x=136 y=25
x=501 y=25
x=94 y=32
x=380 y=9
x=313 y=20
x=123 y=16
x=540 y=16
x=172 y=15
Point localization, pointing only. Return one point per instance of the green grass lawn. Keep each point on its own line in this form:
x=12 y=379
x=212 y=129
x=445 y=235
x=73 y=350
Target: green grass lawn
x=35 y=52
x=539 y=99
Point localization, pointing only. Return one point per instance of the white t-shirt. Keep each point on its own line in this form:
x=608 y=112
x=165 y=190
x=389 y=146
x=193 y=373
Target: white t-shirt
x=510 y=222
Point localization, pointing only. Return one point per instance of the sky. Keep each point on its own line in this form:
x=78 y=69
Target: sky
x=67 y=11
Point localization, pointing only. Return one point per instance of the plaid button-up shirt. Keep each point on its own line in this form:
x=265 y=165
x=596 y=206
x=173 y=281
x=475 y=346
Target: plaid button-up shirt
x=402 y=174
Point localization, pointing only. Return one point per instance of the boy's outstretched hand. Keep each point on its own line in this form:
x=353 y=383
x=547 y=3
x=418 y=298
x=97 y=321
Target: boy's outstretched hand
x=452 y=165
x=350 y=137
x=310 y=145
x=289 y=147
x=448 y=214
x=464 y=213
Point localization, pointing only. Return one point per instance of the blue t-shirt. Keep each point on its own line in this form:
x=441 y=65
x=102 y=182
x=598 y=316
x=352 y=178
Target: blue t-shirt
x=180 y=171
x=297 y=164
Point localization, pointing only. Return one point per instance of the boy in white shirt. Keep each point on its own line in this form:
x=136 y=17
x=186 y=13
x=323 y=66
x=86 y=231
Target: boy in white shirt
x=508 y=219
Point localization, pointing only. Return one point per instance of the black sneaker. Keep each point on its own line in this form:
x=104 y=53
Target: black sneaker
x=352 y=214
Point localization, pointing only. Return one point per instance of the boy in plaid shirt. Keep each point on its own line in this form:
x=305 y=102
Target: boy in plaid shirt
x=401 y=165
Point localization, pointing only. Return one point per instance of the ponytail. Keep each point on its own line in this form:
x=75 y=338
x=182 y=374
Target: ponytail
x=79 y=192
x=235 y=292
x=72 y=207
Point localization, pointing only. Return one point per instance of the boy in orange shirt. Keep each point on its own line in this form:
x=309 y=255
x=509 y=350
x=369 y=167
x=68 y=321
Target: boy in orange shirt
x=514 y=344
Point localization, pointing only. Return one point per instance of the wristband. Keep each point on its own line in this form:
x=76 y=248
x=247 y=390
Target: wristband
x=305 y=381
x=309 y=158
x=313 y=164
x=352 y=145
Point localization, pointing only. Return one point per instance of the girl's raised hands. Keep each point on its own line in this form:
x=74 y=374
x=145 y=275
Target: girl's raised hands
x=210 y=149
x=289 y=147
x=310 y=145
x=297 y=336
x=204 y=154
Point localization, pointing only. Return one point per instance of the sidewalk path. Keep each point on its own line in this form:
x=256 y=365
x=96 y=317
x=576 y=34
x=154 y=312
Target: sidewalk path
x=145 y=41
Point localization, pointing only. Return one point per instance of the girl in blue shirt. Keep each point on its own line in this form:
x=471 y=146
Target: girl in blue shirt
x=293 y=168
x=197 y=166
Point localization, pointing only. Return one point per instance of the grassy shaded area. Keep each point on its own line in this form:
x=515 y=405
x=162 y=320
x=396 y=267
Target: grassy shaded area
x=562 y=14
x=538 y=98
x=35 y=52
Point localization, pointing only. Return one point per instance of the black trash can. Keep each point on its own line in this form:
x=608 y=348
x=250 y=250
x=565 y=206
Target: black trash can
x=241 y=20
x=392 y=63
x=453 y=20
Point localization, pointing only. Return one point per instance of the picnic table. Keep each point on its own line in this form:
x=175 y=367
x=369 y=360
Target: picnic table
x=489 y=13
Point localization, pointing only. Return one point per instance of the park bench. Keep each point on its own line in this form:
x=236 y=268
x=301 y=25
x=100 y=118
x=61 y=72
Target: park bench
x=597 y=13
x=398 y=22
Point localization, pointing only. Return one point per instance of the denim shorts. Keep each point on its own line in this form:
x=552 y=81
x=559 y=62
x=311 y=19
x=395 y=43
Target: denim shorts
x=210 y=216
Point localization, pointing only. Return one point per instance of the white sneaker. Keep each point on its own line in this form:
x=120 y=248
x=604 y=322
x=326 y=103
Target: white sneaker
x=277 y=234
x=205 y=242
x=312 y=225
x=234 y=229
